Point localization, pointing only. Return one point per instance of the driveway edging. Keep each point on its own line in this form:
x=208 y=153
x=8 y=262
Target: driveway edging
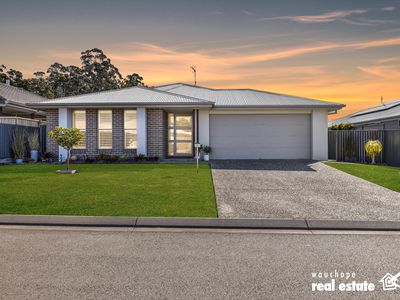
x=212 y=223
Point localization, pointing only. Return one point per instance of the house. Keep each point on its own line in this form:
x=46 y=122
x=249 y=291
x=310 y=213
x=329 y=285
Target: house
x=13 y=103
x=168 y=120
x=384 y=116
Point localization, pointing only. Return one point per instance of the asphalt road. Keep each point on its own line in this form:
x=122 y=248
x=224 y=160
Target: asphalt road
x=175 y=264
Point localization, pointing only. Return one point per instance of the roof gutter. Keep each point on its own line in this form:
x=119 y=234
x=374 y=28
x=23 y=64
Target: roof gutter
x=22 y=107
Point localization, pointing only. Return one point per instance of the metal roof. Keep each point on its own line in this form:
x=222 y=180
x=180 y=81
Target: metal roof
x=126 y=96
x=246 y=98
x=388 y=110
x=14 y=94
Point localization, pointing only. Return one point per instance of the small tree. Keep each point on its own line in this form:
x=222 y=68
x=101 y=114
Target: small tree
x=373 y=149
x=66 y=138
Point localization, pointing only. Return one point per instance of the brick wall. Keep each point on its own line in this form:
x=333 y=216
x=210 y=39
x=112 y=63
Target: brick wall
x=51 y=122
x=92 y=136
x=156 y=132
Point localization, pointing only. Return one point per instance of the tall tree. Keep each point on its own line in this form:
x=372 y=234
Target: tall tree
x=96 y=74
x=100 y=73
x=132 y=80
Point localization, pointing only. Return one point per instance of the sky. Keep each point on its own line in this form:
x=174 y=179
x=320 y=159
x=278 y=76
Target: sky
x=344 y=51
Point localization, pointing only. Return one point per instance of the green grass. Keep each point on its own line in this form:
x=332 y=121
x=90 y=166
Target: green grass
x=388 y=177
x=159 y=190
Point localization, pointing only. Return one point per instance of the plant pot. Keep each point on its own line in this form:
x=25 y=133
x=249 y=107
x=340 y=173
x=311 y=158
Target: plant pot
x=19 y=161
x=34 y=155
x=206 y=157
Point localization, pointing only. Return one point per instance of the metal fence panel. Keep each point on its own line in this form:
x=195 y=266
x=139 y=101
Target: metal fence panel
x=392 y=147
x=6 y=137
x=348 y=145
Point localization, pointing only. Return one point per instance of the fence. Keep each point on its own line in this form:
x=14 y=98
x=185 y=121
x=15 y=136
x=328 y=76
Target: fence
x=7 y=127
x=348 y=145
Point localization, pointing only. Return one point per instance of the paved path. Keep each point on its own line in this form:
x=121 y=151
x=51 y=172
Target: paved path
x=117 y=264
x=298 y=189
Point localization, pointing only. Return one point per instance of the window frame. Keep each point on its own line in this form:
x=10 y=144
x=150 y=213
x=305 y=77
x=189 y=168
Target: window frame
x=130 y=129
x=83 y=145
x=174 y=127
x=104 y=129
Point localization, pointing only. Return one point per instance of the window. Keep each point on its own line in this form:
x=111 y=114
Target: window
x=79 y=121
x=105 y=129
x=130 y=129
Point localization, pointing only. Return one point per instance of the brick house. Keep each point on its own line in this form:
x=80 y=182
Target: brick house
x=167 y=121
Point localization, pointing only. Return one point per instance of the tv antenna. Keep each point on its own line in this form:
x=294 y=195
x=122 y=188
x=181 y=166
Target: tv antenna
x=194 y=74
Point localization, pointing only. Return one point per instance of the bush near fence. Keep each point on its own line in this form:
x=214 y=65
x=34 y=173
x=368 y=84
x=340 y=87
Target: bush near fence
x=348 y=145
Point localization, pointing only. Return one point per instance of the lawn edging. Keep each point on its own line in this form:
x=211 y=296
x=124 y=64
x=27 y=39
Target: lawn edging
x=212 y=223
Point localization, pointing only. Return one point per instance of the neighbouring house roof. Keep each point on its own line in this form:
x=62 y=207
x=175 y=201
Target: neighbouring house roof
x=247 y=98
x=123 y=97
x=385 y=111
x=16 y=99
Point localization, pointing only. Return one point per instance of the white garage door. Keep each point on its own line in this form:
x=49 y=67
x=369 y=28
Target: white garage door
x=260 y=136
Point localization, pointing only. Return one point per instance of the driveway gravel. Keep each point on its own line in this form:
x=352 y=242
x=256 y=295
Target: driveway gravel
x=298 y=189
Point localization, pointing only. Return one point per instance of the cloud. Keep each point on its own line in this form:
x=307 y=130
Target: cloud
x=323 y=18
x=387 y=72
x=388 y=8
x=248 y=13
x=217 y=13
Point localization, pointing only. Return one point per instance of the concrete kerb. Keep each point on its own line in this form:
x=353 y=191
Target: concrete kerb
x=296 y=224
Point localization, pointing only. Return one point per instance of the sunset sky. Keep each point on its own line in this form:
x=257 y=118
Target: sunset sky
x=345 y=51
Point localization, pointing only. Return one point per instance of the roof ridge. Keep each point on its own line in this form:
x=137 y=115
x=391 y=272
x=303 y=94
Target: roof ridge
x=243 y=89
x=175 y=94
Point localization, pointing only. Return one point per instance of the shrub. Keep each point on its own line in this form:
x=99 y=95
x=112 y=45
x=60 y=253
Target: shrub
x=343 y=126
x=66 y=138
x=373 y=149
x=48 y=157
x=18 y=143
x=33 y=141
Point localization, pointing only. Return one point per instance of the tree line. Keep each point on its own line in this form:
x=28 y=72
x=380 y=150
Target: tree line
x=95 y=74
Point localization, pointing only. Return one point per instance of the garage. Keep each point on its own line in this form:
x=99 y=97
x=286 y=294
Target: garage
x=272 y=136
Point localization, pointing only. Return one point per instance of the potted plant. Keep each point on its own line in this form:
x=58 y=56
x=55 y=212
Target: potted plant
x=33 y=141
x=206 y=150
x=66 y=138
x=373 y=149
x=18 y=145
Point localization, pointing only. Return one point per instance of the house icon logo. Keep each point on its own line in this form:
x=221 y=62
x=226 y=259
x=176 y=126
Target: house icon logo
x=389 y=282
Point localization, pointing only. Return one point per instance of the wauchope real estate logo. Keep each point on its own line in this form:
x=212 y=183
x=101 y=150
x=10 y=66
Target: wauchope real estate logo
x=340 y=281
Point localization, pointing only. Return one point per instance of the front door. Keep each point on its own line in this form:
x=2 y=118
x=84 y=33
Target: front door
x=180 y=134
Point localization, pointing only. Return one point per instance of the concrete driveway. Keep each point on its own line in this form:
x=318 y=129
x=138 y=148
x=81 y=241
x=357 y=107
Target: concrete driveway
x=298 y=189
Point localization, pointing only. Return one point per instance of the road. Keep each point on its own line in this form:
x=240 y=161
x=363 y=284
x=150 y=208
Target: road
x=61 y=263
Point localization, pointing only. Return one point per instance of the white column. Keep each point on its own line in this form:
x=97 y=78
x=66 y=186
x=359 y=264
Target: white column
x=141 y=129
x=204 y=127
x=64 y=120
x=319 y=131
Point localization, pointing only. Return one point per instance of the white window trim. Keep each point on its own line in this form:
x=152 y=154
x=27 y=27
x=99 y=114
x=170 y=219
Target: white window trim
x=82 y=130
x=125 y=129
x=98 y=128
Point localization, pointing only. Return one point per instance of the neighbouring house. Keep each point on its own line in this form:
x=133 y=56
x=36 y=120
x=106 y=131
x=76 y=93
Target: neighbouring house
x=381 y=117
x=13 y=103
x=168 y=120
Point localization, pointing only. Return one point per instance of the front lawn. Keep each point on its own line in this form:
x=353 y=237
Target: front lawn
x=159 y=190
x=388 y=177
